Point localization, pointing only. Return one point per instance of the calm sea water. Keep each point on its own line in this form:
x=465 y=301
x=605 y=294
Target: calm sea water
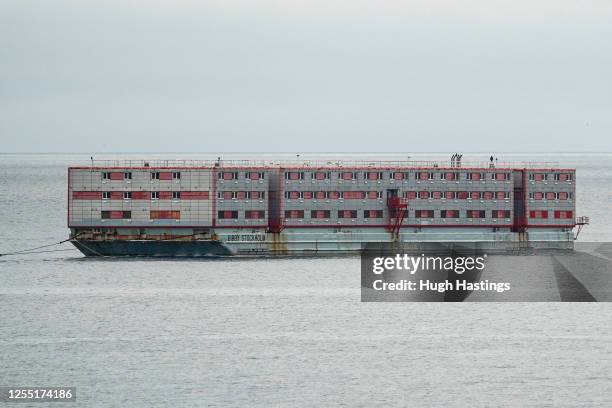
x=280 y=332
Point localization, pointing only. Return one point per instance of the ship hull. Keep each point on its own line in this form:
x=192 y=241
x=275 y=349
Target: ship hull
x=152 y=248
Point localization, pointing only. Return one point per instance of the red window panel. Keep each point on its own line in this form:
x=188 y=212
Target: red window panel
x=141 y=195
x=255 y=195
x=165 y=175
x=449 y=213
x=462 y=195
x=320 y=175
x=475 y=214
x=115 y=215
x=373 y=214
x=354 y=195
x=87 y=195
x=398 y=176
x=165 y=215
x=411 y=195
x=450 y=176
x=564 y=177
x=538 y=195
x=294 y=194
x=424 y=214
x=347 y=214
x=241 y=195
x=307 y=195
x=538 y=176
x=550 y=195
x=423 y=194
x=165 y=195
x=449 y=194
x=254 y=214
x=347 y=175
x=294 y=214
x=320 y=195
x=116 y=195
x=228 y=195
x=563 y=195
x=475 y=176
x=564 y=214
x=373 y=194
x=227 y=215
x=475 y=195
x=334 y=195
x=254 y=175
x=436 y=194
x=500 y=213
x=423 y=175
x=488 y=195
x=500 y=195
x=538 y=214
x=373 y=175
x=194 y=195
x=116 y=176
x=228 y=175
x=294 y=175
x=319 y=214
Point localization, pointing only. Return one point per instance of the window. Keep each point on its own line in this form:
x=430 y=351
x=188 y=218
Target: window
x=502 y=195
x=349 y=175
x=165 y=215
x=372 y=213
x=451 y=176
x=373 y=175
x=550 y=195
x=562 y=195
x=254 y=175
x=293 y=195
x=127 y=175
x=294 y=175
x=449 y=213
x=176 y=195
x=502 y=176
x=106 y=195
x=319 y=214
x=307 y=195
x=127 y=195
x=563 y=176
x=475 y=176
x=347 y=213
x=424 y=213
x=424 y=195
x=500 y=213
x=538 y=176
x=226 y=195
x=115 y=215
x=475 y=214
x=106 y=175
x=254 y=214
x=294 y=214
x=436 y=195
x=397 y=175
x=353 y=195
x=450 y=195
x=462 y=195
x=423 y=175
x=411 y=195
x=321 y=175
x=374 y=194
x=176 y=175
x=155 y=175
x=241 y=195
x=489 y=195
x=227 y=175
x=564 y=215
x=154 y=195
x=543 y=214
x=475 y=195
x=334 y=195
x=227 y=215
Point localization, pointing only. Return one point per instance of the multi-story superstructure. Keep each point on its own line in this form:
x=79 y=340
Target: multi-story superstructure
x=224 y=207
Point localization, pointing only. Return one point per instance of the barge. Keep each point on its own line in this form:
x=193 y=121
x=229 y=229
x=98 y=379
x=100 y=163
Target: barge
x=271 y=207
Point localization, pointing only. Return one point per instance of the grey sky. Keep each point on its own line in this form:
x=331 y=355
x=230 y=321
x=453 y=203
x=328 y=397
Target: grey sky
x=237 y=75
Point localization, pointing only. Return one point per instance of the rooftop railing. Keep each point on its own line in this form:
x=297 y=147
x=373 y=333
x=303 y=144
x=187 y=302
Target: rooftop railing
x=334 y=163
